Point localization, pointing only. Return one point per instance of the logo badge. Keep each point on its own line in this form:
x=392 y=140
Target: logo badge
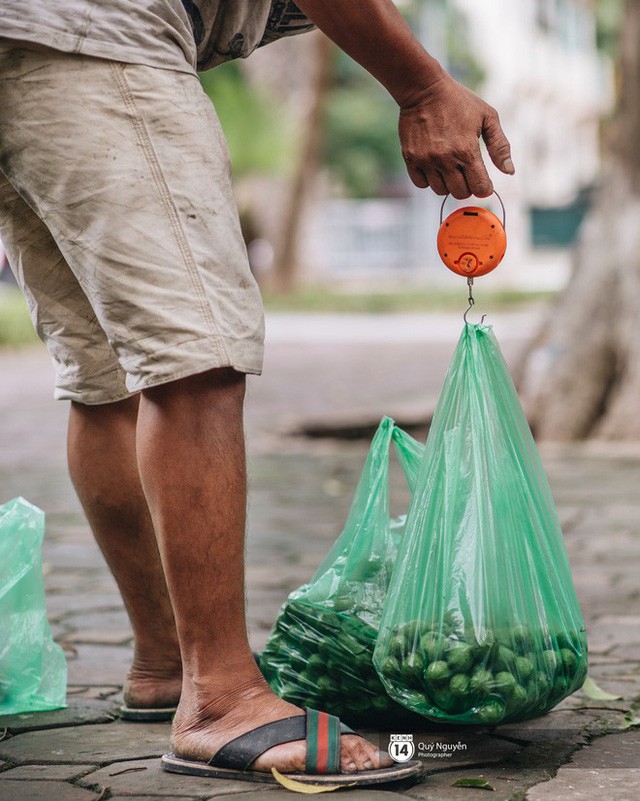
x=401 y=747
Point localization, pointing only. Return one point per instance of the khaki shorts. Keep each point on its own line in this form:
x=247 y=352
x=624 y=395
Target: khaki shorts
x=118 y=219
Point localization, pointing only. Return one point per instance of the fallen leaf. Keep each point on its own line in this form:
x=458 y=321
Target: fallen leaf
x=303 y=787
x=591 y=690
x=632 y=720
x=480 y=784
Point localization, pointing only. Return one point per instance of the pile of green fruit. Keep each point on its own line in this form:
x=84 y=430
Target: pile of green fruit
x=321 y=655
x=447 y=672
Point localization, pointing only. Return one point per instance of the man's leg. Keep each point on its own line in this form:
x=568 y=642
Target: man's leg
x=192 y=463
x=181 y=302
x=104 y=471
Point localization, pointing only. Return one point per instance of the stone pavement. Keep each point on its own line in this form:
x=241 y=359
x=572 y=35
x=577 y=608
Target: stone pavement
x=340 y=373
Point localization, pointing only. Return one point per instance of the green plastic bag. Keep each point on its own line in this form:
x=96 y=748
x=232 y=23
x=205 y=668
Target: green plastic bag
x=33 y=669
x=320 y=651
x=481 y=623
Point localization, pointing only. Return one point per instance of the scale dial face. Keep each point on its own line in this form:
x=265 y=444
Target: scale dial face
x=472 y=241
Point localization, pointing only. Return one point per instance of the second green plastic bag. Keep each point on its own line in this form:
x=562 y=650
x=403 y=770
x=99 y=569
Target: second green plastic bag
x=320 y=652
x=481 y=623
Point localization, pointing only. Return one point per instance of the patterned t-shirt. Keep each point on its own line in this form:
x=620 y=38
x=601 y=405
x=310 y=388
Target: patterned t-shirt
x=183 y=35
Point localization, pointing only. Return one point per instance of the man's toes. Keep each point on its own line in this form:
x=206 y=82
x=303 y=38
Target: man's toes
x=357 y=754
x=286 y=758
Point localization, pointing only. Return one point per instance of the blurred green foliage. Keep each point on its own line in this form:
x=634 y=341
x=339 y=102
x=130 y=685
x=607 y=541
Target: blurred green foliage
x=463 y=65
x=360 y=140
x=608 y=20
x=361 y=134
x=258 y=133
x=15 y=324
x=416 y=299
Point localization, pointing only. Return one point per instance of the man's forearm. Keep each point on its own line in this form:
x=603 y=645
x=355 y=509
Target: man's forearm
x=374 y=33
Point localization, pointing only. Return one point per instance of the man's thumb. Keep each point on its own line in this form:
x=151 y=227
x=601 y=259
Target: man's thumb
x=497 y=144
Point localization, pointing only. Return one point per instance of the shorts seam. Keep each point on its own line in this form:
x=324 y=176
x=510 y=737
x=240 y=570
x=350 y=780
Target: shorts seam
x=191 y=371
x=114 y=399
x=144 y=140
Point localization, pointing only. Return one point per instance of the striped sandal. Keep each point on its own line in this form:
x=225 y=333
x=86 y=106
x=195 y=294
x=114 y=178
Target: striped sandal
x=322 y=733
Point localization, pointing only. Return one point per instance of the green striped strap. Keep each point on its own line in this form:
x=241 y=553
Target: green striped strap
x=323 y=742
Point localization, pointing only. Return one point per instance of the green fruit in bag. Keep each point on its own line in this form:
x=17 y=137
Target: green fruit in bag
x=411 y=632
x=519 y=698
x=481 y=681
x=523 y=668
x=391 y=668
x=412 y=669
x=397 y=647
x=491 y=712
x=459 y=656
x=433 y=646
x=460 y=685
x=569 y=660
x=505 y=659
x=504 y=684
x=549 y=661
x=438 y=672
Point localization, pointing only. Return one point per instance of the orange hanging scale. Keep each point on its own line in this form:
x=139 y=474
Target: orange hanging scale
x=472 y=241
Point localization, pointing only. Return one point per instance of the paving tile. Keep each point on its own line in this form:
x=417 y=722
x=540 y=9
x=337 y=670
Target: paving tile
x=108 y=692
x=577 y=784
x=146 y=777
x=99 y=664
x=43 y=791
x=63 y=601
x=553 y=727
x=100 y=619
x=88 y=744
x=438 y=787
x=100 y=636
x=79 y=711
x=45 y=772
x=613 y=751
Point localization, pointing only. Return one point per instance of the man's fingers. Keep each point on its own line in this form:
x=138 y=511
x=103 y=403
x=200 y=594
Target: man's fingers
x=417 y=176
x=436 y=182
x=456 y=184
x=477 y=177
x=497 y=143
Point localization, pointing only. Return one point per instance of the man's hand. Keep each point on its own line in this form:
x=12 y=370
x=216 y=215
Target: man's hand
x=439 y=135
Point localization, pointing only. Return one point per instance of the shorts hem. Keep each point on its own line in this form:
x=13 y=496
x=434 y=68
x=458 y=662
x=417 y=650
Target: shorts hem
x=241 y=361
x=195 y=370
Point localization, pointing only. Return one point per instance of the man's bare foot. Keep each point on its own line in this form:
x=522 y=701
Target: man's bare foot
x=202 y=726
x=152 y=686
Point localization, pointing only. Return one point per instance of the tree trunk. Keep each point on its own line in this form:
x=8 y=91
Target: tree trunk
x=581 y=377
x=307 y=165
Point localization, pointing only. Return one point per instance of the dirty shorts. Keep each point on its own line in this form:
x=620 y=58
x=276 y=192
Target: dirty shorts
x=118 y=219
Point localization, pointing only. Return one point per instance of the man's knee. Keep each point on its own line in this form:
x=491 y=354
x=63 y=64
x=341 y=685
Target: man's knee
x=222 y=384
x=126 y=408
